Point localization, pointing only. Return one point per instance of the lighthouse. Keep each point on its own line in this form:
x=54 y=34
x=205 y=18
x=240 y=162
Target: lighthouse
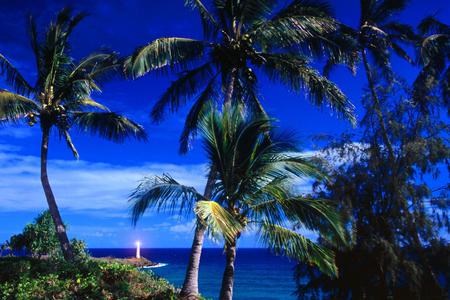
x=138 y=249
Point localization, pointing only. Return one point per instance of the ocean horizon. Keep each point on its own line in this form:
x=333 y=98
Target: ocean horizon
x=258 y=273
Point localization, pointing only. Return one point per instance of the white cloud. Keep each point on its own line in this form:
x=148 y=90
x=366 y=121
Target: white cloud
x=183 y=228
x=80 y=185
x=16 y=132
x=93 y=231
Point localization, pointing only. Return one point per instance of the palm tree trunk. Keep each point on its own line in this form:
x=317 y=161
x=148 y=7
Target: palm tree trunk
x=226 y=292
x=377 y=108
x=190 y=285
x=53 y=208
x=230 y=87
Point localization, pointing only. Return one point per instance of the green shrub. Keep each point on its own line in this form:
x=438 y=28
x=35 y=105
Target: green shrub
x=30 y=278
x=38 y=238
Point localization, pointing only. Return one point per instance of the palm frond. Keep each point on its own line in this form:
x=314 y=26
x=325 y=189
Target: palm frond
x=401 y=52
x=74 y=21
x=219 y=221
x=181 y=90
x=252 y=11
x=13 y=77
x=434 y=47
x=430 y=25
x=97 y=66
x=164 y=194
x=385 y=9
x=381 y=58
x=35 y=45
x=192 y=119
x=109 y=125
x=209 y=23
x=401 y=32
x=284 y=241
x=294 y=24
x=70 y=144
x=81 y=104
x=165 y=53
x=338 y=47
x=86 y=75
x=445 y=87
x=293 y=164
x=313 y=214
x=55 y=60
x=14 y=106
x=66 y=23
x=294 y=71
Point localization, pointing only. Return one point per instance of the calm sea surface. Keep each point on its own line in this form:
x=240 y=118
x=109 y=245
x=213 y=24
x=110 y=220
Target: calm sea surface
x=259 y=274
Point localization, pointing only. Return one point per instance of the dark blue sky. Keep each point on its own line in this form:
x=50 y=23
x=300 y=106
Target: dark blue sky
x=92 y=192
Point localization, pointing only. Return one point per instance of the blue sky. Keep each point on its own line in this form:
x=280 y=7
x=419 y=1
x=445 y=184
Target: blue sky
x=92 y=192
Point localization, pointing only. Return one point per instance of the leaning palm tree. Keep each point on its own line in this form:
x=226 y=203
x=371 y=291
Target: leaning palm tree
x=255 y=175
x=434 y=58
x=61 y=99
x=377 y=34
x=242 y=39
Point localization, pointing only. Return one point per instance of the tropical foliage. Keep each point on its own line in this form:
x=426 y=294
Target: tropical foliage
x=243 y=39
x=433 y=82
x=395 y=220
x=372 y=41
x=30 y=278
x=39 y=239
x=255 y=174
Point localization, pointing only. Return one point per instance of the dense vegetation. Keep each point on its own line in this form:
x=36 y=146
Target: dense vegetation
x=31 y=278
x=395 y=215
x=39 y=239
x=390 y=182
x=46 y=275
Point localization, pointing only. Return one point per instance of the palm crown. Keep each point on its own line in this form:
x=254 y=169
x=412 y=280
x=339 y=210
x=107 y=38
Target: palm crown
x=254 y=179
x=61 y=99
x=61 y=96
x=434 y=57
x=378 y=33
x=241 y=36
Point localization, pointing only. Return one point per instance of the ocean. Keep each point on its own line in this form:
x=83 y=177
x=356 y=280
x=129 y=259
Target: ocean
x=258 y=273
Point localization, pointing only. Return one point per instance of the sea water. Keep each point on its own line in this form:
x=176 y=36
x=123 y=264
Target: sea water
x=258 y=273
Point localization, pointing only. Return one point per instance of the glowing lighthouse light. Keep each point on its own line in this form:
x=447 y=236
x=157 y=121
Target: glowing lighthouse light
x=138 y=249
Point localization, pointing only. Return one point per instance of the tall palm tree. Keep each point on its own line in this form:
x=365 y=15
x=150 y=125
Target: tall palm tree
x=61 y=99
x=434 y=58
x=377 y=34
x=242 y=39
x=255 y=174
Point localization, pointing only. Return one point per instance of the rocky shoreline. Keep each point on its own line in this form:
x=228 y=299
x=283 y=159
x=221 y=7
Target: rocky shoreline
x=132 y=261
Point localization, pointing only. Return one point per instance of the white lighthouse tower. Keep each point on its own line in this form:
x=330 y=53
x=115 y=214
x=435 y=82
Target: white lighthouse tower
x=138 y=249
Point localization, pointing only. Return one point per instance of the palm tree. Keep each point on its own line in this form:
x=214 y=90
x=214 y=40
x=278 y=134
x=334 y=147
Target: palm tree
x=61 y=99
x=254 y=178
x=434 y=57
x=376 y=35
x=239 y=38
